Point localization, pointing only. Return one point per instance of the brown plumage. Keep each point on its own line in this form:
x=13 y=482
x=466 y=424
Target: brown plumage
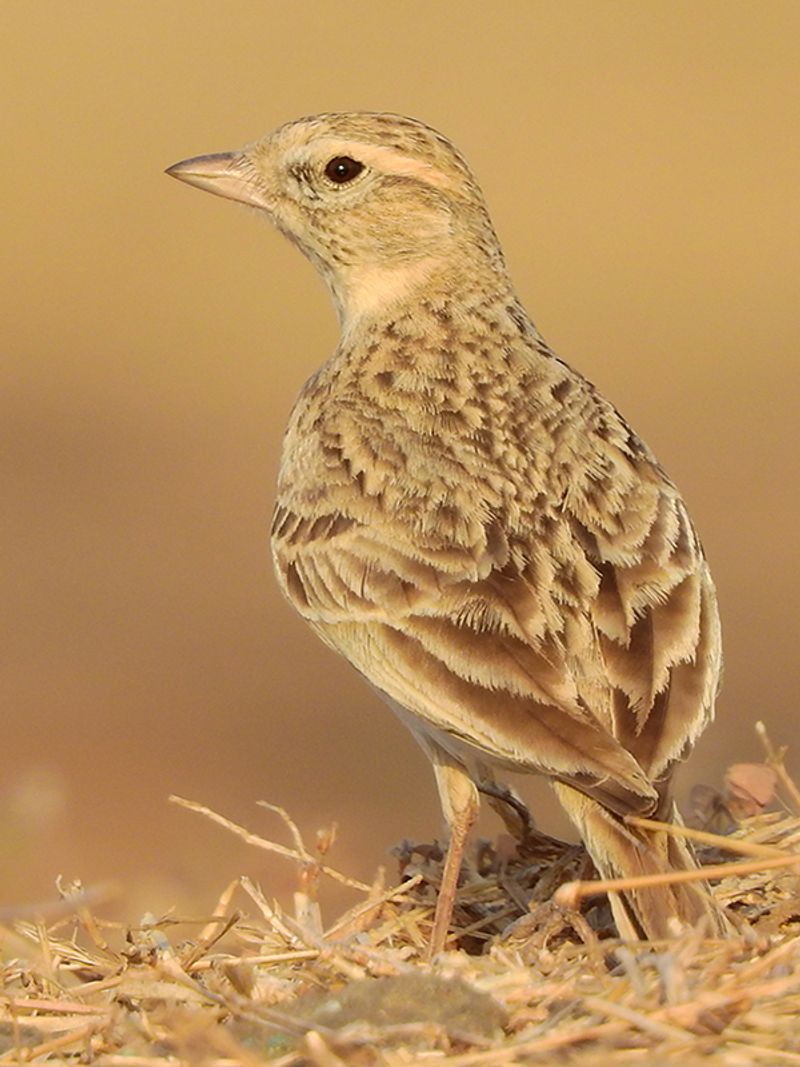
x=467 y=520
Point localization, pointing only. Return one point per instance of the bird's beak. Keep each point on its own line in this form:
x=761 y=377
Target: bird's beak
x=228 y=174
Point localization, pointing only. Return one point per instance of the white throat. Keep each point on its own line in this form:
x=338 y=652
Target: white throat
x=369 y=291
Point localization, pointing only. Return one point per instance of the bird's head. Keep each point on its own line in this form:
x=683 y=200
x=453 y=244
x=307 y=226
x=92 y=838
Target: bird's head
x=380 y=203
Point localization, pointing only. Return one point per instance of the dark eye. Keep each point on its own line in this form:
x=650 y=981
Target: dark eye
x=342 y=169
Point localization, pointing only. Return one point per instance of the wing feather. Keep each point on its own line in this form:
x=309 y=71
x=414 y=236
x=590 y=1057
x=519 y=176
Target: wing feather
x=571 y=629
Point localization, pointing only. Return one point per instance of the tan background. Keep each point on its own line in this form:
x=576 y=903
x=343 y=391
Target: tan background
x=641 y=163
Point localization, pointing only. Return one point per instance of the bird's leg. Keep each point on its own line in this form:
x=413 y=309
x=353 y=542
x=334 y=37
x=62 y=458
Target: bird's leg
x=460 y=803
x=511 y=808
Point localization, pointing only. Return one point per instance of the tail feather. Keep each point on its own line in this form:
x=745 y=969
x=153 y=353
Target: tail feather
x=619 y=851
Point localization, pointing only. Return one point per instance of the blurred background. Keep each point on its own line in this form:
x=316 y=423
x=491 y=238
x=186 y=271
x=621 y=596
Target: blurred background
x=640 y=160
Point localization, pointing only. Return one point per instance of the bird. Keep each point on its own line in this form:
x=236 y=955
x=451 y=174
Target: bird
x=470 y=522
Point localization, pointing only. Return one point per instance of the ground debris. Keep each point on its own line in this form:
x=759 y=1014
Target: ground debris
x=527 y=981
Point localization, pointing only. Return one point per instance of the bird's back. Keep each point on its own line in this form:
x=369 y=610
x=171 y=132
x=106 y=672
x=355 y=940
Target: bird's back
x=481 y=534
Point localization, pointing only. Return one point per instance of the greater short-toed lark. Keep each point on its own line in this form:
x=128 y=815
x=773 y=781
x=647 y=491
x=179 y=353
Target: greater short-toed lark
x=467 y=520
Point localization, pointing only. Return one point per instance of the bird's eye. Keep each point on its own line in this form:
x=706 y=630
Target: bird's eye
x=342 y=169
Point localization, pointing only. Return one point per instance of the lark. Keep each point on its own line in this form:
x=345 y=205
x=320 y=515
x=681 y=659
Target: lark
x=469 y=521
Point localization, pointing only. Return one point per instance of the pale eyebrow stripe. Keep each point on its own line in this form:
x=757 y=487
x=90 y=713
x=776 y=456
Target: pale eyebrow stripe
x=388 y=160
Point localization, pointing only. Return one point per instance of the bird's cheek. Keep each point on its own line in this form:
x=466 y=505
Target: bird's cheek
x=426 y=235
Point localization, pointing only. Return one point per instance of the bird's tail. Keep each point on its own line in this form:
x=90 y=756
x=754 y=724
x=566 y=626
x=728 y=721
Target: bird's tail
x=620 y=851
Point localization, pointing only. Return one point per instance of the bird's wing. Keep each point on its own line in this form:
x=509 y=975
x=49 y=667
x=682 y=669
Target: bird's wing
x=580 y=639
x=654 y=616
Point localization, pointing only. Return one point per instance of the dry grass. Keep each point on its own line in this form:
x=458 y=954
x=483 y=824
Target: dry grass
x=533 y=982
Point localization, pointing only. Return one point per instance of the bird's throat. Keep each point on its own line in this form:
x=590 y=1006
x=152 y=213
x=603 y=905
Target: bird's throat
x=368 y=292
